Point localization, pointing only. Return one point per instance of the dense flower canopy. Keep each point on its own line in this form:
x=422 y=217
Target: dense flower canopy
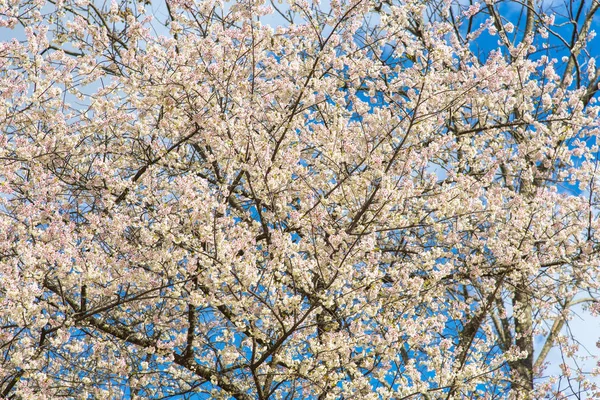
x=367 y=200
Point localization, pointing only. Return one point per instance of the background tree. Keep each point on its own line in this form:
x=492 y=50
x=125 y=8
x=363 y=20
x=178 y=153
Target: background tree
x=372 y=200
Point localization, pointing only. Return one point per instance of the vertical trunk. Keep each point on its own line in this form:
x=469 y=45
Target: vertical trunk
x=522 y=369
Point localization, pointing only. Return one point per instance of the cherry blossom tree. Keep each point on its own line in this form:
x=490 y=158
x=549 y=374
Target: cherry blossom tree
x=367 y=200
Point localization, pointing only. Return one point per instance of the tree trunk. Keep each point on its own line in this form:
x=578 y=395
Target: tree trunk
x=522 y=369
